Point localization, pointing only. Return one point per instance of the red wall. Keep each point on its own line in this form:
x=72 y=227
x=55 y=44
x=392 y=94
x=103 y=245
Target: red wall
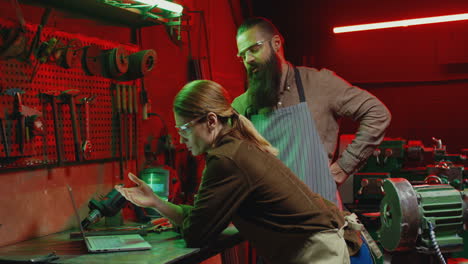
x=419 y=72
x=35 y=202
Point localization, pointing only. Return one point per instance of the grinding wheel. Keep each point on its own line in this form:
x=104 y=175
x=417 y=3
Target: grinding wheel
x=399 y=215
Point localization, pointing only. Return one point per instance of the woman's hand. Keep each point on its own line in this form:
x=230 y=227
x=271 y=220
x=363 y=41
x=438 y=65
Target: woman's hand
x=142 y=195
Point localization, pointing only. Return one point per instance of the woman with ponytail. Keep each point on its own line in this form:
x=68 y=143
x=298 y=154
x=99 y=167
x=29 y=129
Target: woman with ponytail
x=244 y=183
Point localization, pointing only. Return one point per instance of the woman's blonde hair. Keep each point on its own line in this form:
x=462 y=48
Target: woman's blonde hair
x=198 y=98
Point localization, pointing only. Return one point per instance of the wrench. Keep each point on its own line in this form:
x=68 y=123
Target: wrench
x=70 y=96
x=52 y=97
x=4 y=137
x=86 y=147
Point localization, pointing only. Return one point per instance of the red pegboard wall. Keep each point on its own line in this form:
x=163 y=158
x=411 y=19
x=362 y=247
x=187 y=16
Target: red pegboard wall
x=104 y=121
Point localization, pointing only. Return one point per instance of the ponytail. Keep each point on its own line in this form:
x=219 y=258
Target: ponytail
x=246 y=130
x=200 y=97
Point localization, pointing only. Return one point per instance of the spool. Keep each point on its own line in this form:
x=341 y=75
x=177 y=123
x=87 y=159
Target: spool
x=140 y=63
x=91 y=60
x=72 y=53
x=115 y=62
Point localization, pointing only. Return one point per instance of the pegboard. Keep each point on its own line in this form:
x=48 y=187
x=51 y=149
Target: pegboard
x=107 y=127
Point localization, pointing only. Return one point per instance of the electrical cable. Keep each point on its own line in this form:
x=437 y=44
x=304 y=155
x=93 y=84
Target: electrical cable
x=165 y=128
x=205 y=30
x=170 y=159
x=436 y=245
x=191 y=60
x=207 y=46
x=139 y=42
x=233 y=16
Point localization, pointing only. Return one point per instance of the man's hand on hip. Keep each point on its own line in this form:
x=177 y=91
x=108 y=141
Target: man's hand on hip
x=339 y=175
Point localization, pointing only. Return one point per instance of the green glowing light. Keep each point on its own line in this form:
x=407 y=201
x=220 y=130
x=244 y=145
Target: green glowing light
x=166 y=5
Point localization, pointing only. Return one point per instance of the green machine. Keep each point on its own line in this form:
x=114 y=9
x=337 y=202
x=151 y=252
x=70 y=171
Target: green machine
x=399 y=158
x=411 y=199
x=426 y=218
x=158 y=179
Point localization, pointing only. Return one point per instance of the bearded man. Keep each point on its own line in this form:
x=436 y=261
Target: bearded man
x=298 y=110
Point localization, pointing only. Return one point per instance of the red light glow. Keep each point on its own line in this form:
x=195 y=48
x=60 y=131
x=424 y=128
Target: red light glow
x=401 y=23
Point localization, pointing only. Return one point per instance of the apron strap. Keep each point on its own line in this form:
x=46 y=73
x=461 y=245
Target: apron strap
x=300 y=88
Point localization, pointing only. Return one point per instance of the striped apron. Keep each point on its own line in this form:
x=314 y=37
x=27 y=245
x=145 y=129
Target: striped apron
x=292 y=130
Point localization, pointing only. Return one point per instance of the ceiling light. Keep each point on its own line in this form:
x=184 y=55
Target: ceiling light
x=401 y=23
x=162 y=4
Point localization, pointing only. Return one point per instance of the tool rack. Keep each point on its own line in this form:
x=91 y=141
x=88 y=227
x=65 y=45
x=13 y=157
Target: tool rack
x=106 y=113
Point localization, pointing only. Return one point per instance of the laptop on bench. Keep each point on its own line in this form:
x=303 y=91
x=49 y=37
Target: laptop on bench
x=108 y=243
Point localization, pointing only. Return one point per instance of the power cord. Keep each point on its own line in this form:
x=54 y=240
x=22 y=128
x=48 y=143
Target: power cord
x=434 y=242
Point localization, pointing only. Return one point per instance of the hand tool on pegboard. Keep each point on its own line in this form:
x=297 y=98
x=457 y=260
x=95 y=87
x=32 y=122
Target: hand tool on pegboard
x=21 y=122
x=3 y=118
x=86 y=146
x=33 y=123
x=21 y=113
x=135 y=116
x=51 y=97
x=129 y=121
x=115 y=62
x=91 y=60
x=123 y=94
x=118 y=105
x=43 y=53
x=14 y=39
x=33 y=127
x=70 y=98
x=145 y=101
x=37 y=36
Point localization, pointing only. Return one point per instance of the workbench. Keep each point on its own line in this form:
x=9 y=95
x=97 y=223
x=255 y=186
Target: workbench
x=167 y=247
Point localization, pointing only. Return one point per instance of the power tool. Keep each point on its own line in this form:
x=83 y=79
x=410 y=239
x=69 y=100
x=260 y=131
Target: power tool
x=109 y=206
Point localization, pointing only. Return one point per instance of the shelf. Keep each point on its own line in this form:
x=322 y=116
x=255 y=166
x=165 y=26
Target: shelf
x=98 y=10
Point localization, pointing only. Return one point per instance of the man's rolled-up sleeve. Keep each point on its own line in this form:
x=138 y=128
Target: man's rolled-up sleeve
x=373 y=117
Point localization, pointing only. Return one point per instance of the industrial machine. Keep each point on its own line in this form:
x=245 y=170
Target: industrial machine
x=428 y=219
x=412 y=200
x=398 y=158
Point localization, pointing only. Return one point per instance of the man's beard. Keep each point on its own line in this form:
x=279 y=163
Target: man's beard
x=264 y=83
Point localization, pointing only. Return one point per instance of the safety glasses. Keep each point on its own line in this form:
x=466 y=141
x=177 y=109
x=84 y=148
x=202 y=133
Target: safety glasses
x=184 y=130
